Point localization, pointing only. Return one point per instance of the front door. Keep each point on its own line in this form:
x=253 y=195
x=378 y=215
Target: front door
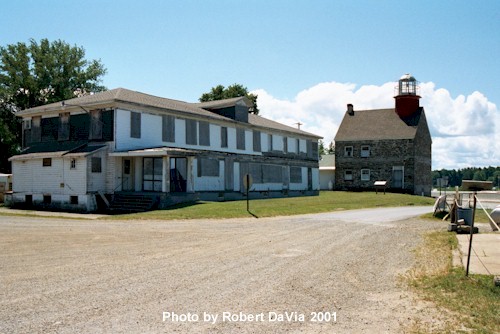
x=178 y=175
x=397 y=177
x=127 y=178
x=152 y=177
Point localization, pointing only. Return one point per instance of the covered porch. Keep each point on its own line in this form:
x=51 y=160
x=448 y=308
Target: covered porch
x=156 y=170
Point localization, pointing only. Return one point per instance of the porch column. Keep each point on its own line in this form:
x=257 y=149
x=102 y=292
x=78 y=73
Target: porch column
x=165 y=184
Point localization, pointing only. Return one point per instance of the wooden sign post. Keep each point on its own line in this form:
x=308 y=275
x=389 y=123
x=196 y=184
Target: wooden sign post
x=247 y=183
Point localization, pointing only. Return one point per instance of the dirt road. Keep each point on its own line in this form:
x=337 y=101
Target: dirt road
x=325 y=273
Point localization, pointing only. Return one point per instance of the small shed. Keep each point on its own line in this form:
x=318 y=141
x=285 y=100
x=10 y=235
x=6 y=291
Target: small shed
x=5 y=185
x=327 y=172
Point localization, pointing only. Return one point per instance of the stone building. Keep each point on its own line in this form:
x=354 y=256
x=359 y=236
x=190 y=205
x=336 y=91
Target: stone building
x=392 y=145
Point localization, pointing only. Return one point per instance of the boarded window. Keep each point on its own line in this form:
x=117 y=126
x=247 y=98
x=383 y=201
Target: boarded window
x=96 y=125
x=47 y=162
x=256 y=141
x=96 y=163
x=309 y=148
x=255 y=170
x=272 y=174
x=63 y=131
x=295 y=175
x=204 y=133
x=223 y=136
x=135 y=124
x=191 y=133
x=314 y=147
x=168 y=128
x=208 y=167
x=240 y=139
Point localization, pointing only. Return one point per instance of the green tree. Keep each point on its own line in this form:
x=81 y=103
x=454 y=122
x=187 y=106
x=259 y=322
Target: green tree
x=220 y=92
x=34 y=74
x=321 y=148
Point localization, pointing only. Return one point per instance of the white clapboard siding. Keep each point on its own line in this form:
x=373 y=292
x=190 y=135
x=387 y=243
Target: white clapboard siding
x=75 y=179
x=97 y=181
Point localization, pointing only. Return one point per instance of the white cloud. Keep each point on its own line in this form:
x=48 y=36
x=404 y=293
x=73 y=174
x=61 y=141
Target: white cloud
x=463 y=128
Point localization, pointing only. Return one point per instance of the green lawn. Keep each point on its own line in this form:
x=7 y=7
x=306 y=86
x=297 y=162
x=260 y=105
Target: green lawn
x=325 y=202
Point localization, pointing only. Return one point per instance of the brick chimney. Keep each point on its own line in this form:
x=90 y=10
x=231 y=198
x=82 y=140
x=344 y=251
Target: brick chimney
x=350 y=109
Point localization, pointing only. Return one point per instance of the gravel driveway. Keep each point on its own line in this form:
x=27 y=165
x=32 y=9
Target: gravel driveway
x=324 y=273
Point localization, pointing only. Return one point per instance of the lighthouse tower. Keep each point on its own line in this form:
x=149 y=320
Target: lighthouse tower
x=407 y=98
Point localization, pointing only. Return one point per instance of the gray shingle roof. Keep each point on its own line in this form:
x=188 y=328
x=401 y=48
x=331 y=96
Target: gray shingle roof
x=138 y=98
x=377 y=124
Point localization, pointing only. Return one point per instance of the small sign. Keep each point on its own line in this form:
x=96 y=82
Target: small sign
x=247 y=181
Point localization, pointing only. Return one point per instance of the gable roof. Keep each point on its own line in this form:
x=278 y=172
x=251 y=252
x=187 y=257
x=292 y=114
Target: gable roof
x=377 y=124
x=108 y=97
x=121 y=95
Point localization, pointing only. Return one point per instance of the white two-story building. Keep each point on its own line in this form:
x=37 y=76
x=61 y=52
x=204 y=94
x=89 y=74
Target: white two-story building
x=126 y=149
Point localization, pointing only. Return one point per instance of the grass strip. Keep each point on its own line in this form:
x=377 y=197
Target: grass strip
x=473 y=301
x=327 y=201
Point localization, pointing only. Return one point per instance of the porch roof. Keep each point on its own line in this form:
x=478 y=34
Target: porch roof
x=156 y=152
x=41 y=151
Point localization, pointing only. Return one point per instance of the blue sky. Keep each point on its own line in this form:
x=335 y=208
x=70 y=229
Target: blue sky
x=328 y=51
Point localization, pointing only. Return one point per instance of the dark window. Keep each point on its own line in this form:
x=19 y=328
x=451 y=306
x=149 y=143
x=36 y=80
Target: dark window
x=47 y=199
x=126 y=167
x=73 y=200
x=96 y=125
x=191 y=133
x=204 y=133
x=223 y=136
x=47 y=162
x=285 y=144
x=348 y=175
x=208 y=167
x=297 y=146
x=73 y=164
x=63 y=131
x=256 y=141
x=135 y=124
x=36 y=129
x=28 y=199
x=348 y=151
x=270 y=142
x=168 y=128
x=295 y=175
x=240 y=139
x=96 y=165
